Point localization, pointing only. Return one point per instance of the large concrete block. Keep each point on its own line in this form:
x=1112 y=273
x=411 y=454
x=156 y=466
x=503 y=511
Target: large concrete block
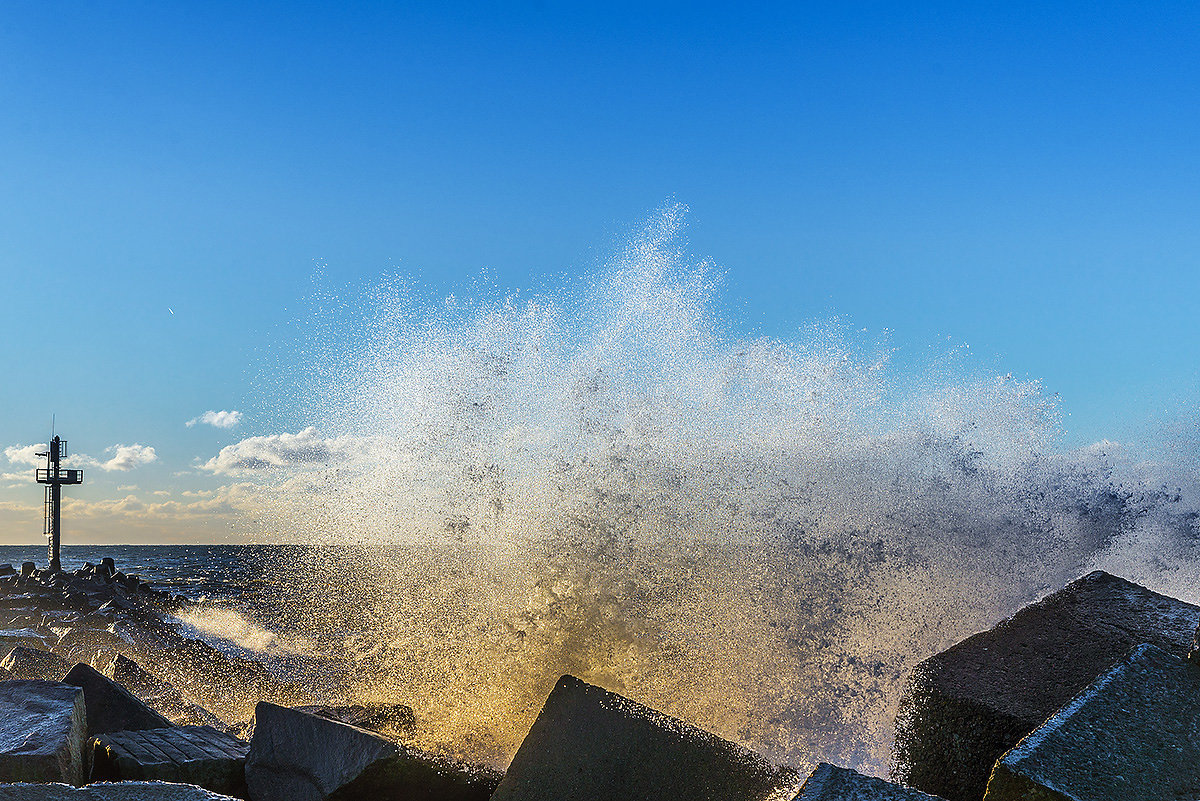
x=32 y=663
x=295 y=756
x=42 y=729
x=198 y=755
x=1133 y=735
x=122 y=791
x=110 y=707
x=831 y=783
x=589 y=744
x=966 y=706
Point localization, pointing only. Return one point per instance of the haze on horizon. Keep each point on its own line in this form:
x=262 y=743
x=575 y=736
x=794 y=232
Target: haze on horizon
x=186 y=190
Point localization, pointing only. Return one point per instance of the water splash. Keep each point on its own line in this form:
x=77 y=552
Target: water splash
x=758 y=536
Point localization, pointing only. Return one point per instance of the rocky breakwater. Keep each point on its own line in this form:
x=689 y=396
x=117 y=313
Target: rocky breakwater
x=120 y=625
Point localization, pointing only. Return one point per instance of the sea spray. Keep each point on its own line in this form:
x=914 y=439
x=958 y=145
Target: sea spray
x=759 y=536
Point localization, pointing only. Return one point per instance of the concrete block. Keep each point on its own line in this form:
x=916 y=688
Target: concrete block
x=295 y=756
x=32 y=663
x=831 y=783
x=110 y=707
x=1132 y=735
x=198 y=755
x=589 y=744
x=122 y=791
x=42 y=728
x=966 y=706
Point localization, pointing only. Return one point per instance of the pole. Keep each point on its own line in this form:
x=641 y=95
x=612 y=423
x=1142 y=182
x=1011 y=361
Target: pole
x=55 y=497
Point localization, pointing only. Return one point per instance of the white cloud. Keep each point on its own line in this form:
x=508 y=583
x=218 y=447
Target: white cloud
x=25 y=454
x=122 y=458
x=221 y=419
x=20 y=478
x=306 y=448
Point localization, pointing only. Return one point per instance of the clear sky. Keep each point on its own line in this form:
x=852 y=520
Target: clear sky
x=1020 y=177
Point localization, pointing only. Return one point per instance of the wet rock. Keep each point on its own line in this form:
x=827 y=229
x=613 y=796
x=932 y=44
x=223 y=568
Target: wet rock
x=392 y=720
x=122 y=791
x=7 y=569
x=197 y=755
x=42 y=728
x=295 y=756
x=1130 y=736
x=157 y=694
x=831 y=783
x=588 y=744
x=25 y=638
x=27 y=569
x=110 y=707
x=966 y=706
x=31 y=663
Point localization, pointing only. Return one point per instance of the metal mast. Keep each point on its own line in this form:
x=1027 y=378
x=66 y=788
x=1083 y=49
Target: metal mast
x=53 y=476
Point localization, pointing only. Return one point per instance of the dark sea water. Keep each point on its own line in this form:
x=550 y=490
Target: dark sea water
x=236 y=575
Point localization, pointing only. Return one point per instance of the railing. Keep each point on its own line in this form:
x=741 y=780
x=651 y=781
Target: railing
x=47 y=476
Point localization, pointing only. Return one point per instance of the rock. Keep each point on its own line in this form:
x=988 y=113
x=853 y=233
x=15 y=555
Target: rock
x=1130 y=736
x=27 y=569
x=7 y=569
x=123 y=791
x=393 y=720
x=198 y=755
x=110 y=707
x=24 y=637
x=966 y=706
x=831 y=783
x=107 y=566
x=42 y=728
x=31 y=663
x=588 y=744
x=295 y=756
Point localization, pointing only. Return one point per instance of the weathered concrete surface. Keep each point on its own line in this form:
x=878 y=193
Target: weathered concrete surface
x=198 y=755
x=588 y=744
x=31 y=663
x=831 y=783
x=295 y=756
x=157 y=694
x=1132 y=735
x=123 y=791
x=42 y=728
x=110 y=707
x=396 y=721
x=966 y=706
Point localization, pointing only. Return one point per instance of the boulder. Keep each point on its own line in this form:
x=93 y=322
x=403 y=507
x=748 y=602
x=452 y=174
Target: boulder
x=42 y=729
x=589 y=744
x=831 y=783
x=198 y=755
x=295 y=756
x=32 y=663
x=1130 y=736
x=963 y=708
x=110 y=707
x=123 y=791
x=393 y=720
x=157 y=694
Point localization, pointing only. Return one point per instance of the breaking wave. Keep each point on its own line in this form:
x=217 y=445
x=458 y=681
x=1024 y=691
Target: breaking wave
x=756 y=535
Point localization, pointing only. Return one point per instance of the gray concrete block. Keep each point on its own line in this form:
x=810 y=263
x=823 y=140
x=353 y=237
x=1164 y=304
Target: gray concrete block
x=42 y=728
x=965 y=707
x=589 y=744
x=110 y=707
x=33 y=663
x=831 y=783
x=295 y=756
x=198 y=755
x=1132 y=735
x=122 y=791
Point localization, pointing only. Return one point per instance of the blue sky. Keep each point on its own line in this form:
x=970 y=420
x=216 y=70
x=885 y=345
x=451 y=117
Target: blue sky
x=1019 y=177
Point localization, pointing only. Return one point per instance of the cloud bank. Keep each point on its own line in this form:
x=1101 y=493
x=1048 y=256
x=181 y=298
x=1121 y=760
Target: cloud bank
x=305 y=448
x=221 y=419
x=121 y=458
